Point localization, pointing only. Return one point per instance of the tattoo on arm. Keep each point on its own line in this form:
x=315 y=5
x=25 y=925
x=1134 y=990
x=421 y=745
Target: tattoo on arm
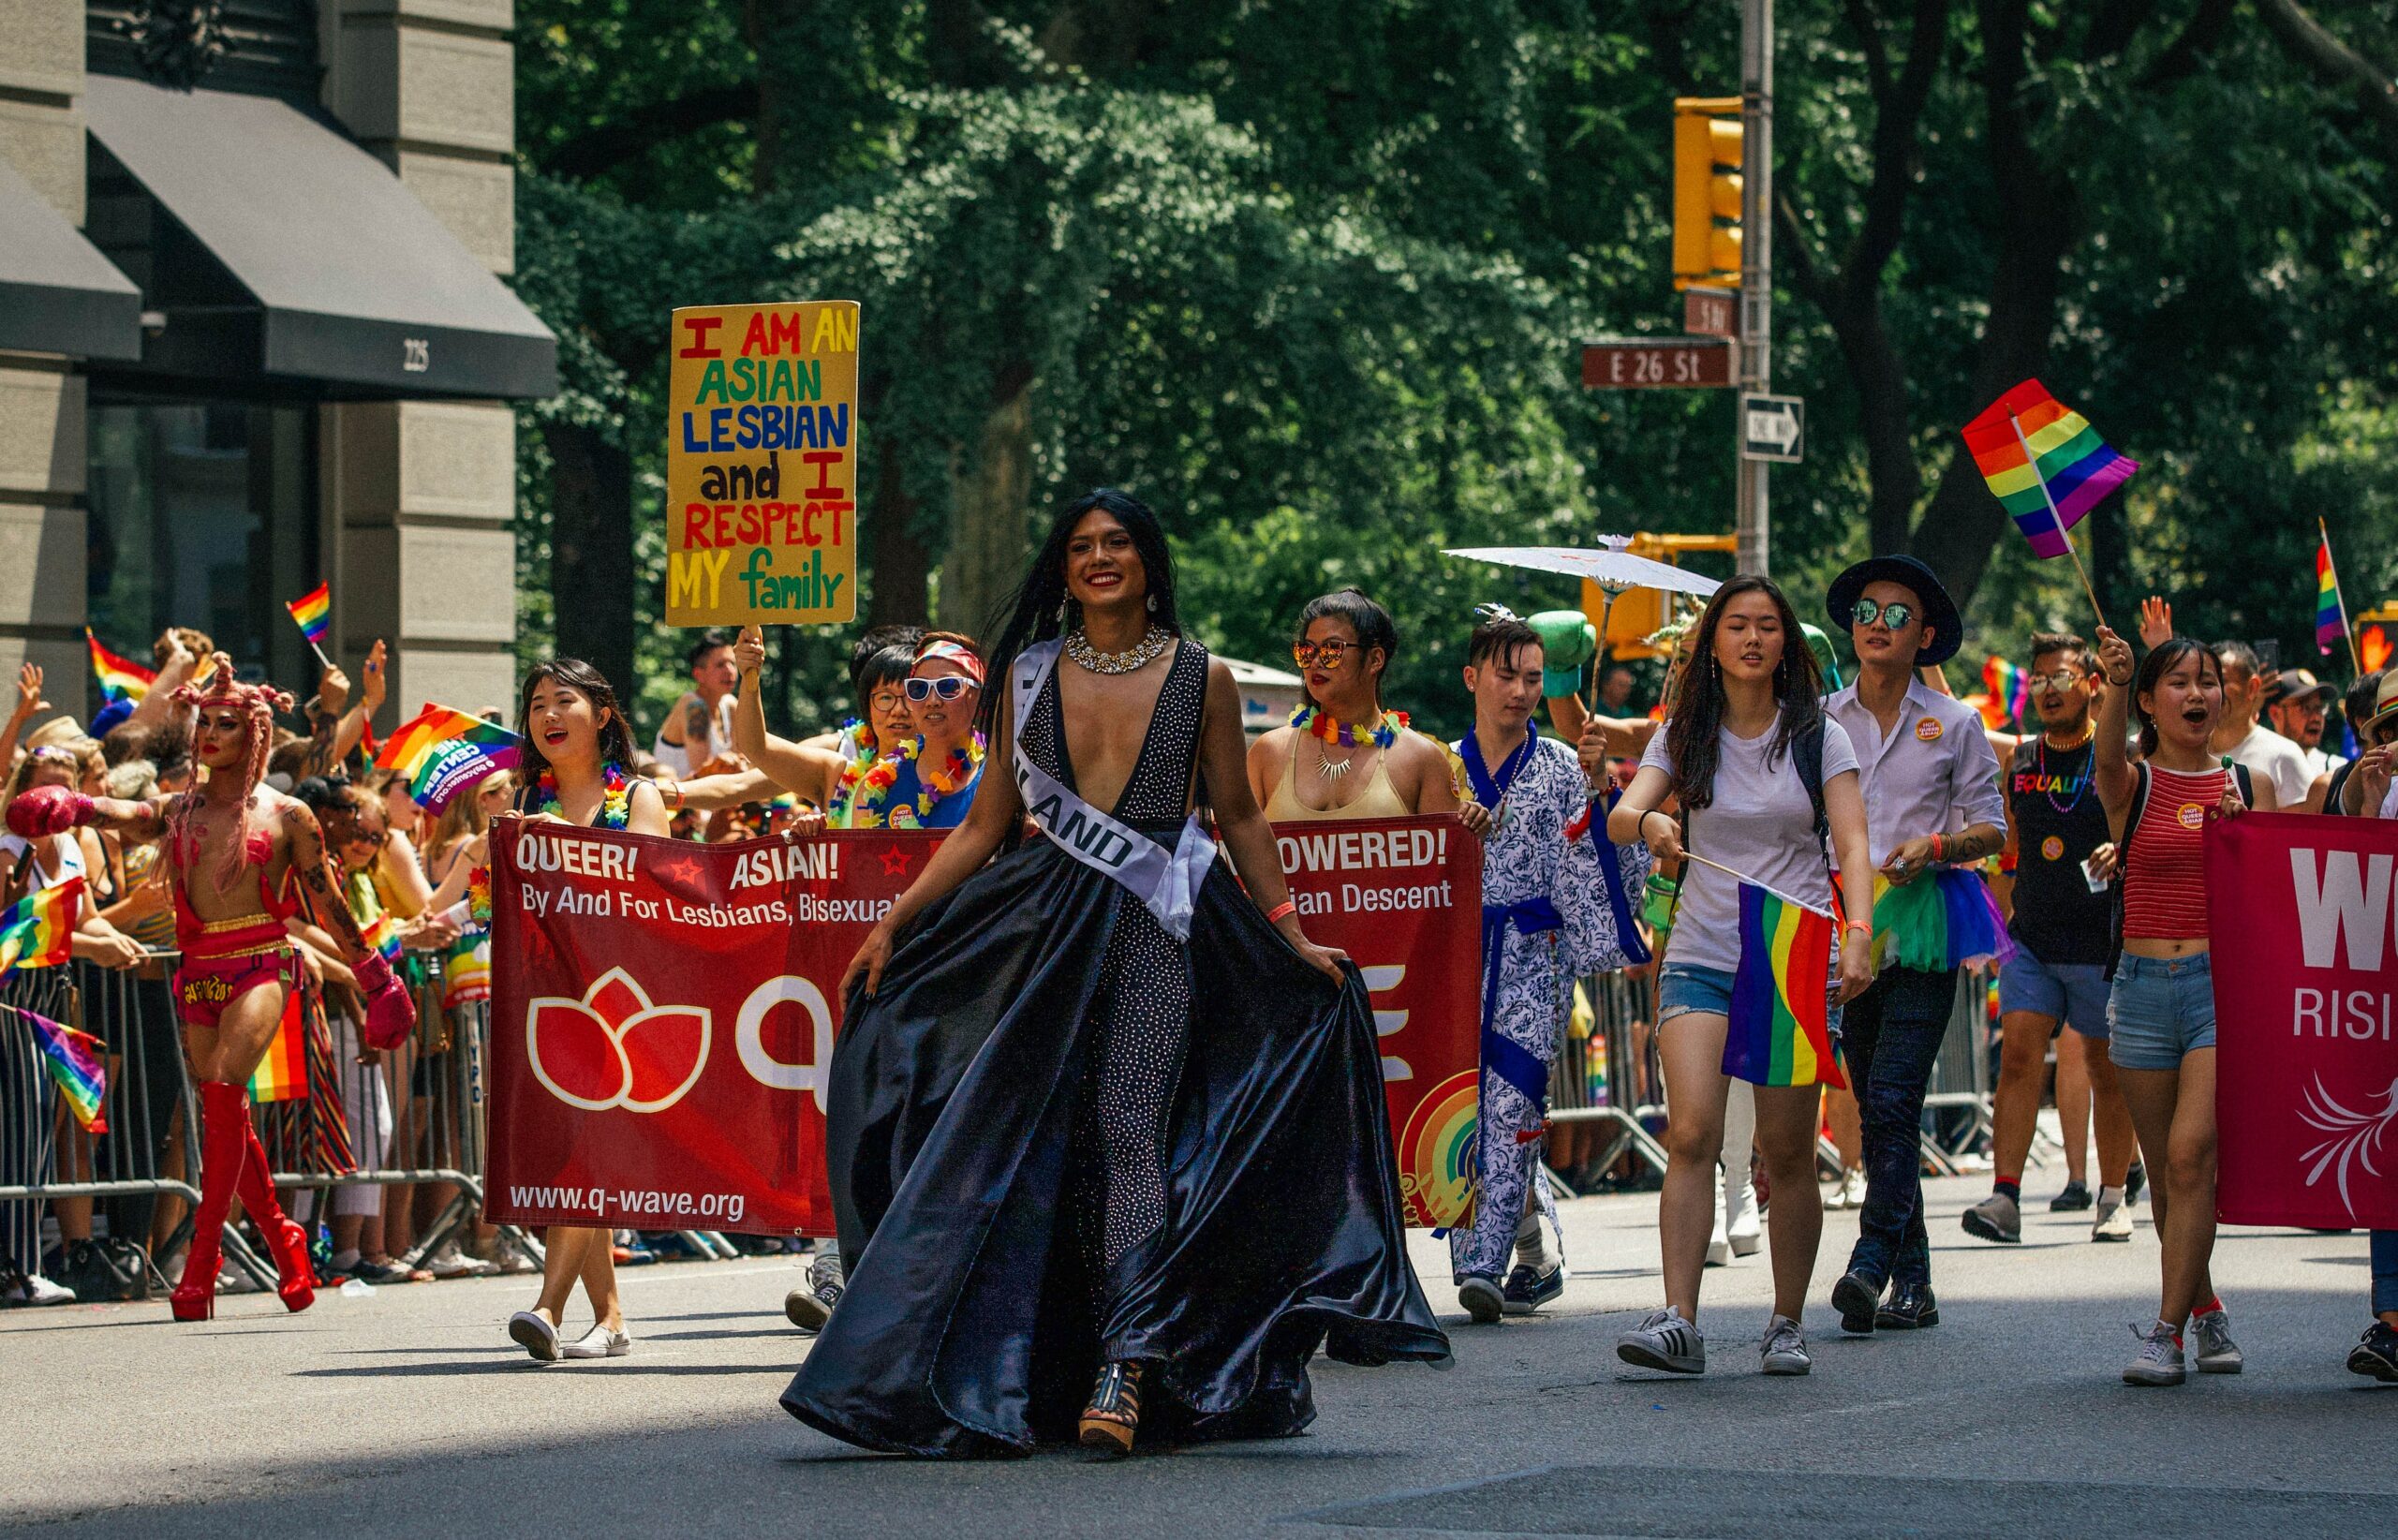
x=695 y=721
x=318 y=873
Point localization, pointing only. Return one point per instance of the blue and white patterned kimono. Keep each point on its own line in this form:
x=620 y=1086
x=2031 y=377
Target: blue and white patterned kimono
x=1549 y=917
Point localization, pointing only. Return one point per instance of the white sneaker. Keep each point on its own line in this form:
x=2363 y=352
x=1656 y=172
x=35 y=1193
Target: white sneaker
x=2114 y=1220
x=450 y=1262
x=34 y=1289
x=509 y=1259
x=532 y=1331
x=599 y=1343
x=2217 y=1353
x=1785 y=1348
x=1665 y=1341
x=1852 y=1187
x=2160 y=1358
x=1741 y=1228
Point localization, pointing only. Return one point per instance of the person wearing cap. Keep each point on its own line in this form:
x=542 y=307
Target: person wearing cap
x=1932 y=807
x=2297 y=706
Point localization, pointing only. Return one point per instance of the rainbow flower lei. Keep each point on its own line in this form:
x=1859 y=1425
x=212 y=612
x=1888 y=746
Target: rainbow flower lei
x=956 y=772
x=615 y=798
x=1383 y=734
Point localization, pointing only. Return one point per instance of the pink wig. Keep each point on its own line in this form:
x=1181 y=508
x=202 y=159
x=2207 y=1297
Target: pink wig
x=258 y=703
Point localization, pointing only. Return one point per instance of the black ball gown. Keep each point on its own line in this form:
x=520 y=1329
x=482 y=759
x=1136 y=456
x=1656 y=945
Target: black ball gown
x=1057 y=1135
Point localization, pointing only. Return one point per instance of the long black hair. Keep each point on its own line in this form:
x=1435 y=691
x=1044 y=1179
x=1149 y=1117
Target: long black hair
x=1369 y=621
x=1693 y=738
x=1039 y=609
x=2164 y=660
x=616 y=739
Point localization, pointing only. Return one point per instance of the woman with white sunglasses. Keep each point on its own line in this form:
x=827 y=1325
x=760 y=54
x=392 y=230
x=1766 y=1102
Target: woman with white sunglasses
x=931 y=783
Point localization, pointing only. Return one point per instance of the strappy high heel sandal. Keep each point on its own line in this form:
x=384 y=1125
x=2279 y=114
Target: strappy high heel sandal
x=1113 y=1413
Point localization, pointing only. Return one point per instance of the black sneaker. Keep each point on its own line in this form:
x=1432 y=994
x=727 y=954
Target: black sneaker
x=809 y=1306
x=2375 y=1355
x=2073 y=1200
x=1910 y=1307
x=2135 y=1183
x=1857 y=1296
x=1528 y=1290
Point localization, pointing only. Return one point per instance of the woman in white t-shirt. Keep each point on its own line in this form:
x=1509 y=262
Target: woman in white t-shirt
x=1748 y=705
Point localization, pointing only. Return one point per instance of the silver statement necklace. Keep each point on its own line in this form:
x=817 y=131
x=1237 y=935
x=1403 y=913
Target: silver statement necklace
x=1132 y=660
x=1331 y=768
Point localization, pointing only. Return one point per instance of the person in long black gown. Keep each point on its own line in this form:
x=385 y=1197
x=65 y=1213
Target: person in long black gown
x=1097 y=1140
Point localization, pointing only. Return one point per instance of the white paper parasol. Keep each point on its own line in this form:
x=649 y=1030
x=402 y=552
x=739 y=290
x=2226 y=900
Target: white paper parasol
x=1612 y=566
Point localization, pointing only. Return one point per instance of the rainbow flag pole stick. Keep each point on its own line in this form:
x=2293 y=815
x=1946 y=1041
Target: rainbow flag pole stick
x=1735 y=871
x=2356 y=664
x=2062 y=533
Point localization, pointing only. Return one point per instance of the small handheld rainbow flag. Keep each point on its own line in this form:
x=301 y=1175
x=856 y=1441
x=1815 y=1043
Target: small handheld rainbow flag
x=2331 y=614
x=2045 y=463
x=282 y=1076
x=38 y=930
x=121 y=678
x=74 y=1060
x=443 y=752
x=1778 y=1029
x=2010 y=690
x=313 y=612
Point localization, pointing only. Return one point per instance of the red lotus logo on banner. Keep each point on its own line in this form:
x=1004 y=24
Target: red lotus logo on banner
x=2306 y=1021
x=612 y=1048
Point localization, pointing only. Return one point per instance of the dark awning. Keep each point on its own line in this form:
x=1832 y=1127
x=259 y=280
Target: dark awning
x=57 y=293
x=353 y=281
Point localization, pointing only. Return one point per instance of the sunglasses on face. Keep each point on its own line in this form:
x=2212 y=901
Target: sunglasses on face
x=1894 y=614
x=2060 y=679
x=947 y=688
x=1309 y=654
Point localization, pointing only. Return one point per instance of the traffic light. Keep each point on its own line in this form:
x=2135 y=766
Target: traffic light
x=1707 y=191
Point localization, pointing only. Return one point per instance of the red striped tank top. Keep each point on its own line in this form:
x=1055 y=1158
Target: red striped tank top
x=2164 y=896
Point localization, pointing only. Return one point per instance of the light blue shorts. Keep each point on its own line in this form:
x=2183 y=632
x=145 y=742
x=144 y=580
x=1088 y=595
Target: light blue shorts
x=2162 y=1009
x=1683 y=988
x=2073 y=993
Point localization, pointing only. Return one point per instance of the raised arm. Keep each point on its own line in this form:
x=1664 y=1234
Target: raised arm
x=351 y=728
x=29 y=700
x=390 y=1016
x=1249 y=840
x=157 y=704
x=798 y=768
x=2110 y=753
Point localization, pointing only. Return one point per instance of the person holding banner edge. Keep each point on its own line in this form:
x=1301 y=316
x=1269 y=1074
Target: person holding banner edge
x=2161 y=1010
x=1345 y=642
x=1933 y=808
x=1067 y=1082
x=575 y=768
x=1737 y=755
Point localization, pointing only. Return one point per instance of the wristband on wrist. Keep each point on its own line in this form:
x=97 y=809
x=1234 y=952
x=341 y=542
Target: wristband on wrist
x=1274 y=915
x=1937 y=842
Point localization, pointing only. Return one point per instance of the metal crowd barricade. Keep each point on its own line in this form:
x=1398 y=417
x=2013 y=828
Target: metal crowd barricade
x=1961 y=1081
x=1612 y=1075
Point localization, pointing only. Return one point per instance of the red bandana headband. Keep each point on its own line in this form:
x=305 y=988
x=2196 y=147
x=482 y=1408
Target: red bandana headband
x=963 y=656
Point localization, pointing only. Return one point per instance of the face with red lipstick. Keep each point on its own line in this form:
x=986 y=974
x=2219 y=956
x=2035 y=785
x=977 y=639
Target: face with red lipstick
x=220 y=737
x=1103 y=569
x=568 y=716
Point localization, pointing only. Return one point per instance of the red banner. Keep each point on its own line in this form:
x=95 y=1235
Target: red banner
x=662 y=1013
x=662 y=1010
x=2306 y=1031
x=1403 y=897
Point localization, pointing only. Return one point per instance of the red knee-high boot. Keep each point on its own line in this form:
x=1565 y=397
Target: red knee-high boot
x=224 y=1150
x=285 y=1237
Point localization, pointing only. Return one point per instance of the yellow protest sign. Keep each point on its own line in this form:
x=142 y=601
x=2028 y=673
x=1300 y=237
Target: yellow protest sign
x=762 y=465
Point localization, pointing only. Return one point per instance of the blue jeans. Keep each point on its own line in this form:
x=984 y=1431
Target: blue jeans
x=2160 y=1010
x=1891 y=1034
x=2385 y=1270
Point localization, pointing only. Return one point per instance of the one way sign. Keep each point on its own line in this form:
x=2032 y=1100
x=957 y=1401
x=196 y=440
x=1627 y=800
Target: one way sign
x=1771 y=428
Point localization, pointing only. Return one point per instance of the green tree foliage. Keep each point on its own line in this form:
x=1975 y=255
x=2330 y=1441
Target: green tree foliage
x=1308 y=278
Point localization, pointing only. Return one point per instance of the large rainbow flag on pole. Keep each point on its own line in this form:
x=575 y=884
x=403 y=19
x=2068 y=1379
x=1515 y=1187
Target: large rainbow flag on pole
x=38 y=930
x=443 y=752
x=2044 y=462
x=74 y=1060
x=121 y=678
x=1779 y=1030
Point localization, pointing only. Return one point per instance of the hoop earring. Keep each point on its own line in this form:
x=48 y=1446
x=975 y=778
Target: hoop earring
x=1153 y=604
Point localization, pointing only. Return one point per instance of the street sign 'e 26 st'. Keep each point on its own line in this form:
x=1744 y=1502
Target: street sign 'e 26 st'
x=1635 y=364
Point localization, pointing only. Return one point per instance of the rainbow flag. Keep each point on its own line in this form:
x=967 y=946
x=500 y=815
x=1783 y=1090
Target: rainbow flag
x=38 y=930
x=121 y=678
x=313 y=613
x=282 y=1076
x=2010 y=691
x=1778 y=1032
x=2037 y=453
x=2330 y=615
x=443 y=752
x=76 y=1060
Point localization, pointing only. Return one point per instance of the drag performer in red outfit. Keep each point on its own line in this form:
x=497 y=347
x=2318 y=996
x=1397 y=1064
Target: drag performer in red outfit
x=237 y=851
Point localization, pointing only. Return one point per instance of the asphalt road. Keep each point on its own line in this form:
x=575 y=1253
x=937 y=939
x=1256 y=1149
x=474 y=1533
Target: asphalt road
x=410 y=1413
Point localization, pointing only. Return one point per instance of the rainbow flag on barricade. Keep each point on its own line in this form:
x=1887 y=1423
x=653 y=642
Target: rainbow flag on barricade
x=38 y=930
x=76 y=1060
x=2010 y=691
x=282 y=1076
x=311 y=612
x=443 y=752
x=2044 y=462
x=2330 y=615
x=1778 y=1029
x=121 y=678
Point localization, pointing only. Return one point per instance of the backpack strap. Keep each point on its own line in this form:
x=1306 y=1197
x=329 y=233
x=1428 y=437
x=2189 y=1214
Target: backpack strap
x=1806 y=754
x=2240 y=779
x=2124 y=867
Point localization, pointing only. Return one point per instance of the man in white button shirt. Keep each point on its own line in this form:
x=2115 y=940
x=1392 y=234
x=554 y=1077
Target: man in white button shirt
x=1932 y=800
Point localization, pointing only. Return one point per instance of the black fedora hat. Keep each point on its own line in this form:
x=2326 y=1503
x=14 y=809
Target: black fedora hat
x=1939 y=609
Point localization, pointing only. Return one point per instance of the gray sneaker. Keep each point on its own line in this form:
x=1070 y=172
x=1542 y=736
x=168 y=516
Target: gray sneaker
x=1997 y=1217
x=1665 y=1342
x=1785 y=1349
x=2114 y=1220
x=2160 y=1358
x=2217 y=1353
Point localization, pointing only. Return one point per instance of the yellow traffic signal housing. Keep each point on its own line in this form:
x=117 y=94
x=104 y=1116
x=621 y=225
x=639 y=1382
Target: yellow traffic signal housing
x=1708 y=144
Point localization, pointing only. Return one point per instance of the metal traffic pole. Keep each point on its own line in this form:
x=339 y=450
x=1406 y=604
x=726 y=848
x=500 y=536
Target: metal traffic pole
x=1751 y=521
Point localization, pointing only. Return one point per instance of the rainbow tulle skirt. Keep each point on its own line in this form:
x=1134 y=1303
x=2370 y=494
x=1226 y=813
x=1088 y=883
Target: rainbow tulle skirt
x=1945 y=921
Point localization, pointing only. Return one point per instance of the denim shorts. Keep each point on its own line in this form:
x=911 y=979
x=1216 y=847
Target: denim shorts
x=2162 y=1008
x=2072 y=993
x=1683 y=988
